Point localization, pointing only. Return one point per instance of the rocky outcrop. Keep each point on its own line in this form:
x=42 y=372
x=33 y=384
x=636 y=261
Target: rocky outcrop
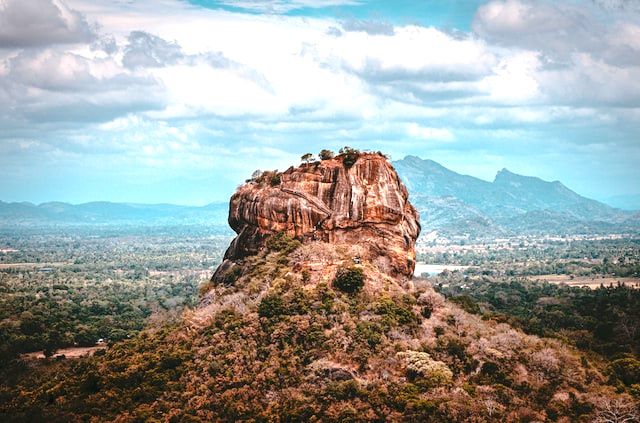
x=365 y=204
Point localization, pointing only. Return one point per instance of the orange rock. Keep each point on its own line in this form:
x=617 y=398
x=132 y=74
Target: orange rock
x=365 y=204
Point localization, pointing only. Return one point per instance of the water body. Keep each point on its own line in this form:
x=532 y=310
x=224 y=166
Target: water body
x=435 y=269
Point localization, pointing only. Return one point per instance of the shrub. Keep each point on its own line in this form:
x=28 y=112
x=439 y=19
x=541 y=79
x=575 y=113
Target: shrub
x=370 y=332
x=205 y=287
x=626 y=370
x=306 y=275
x=349 y=156
x=427 y=311
x=231 y=275
x=394 y=313
x=349 y=279
x=274 y=180
x=467 y=304
x=282 y=243
x=325 y=155
x=271 y=305
x=421 y=365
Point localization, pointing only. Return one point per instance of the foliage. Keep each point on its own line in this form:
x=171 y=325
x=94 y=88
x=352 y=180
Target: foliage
x=421 y=365
x=349 y=279
x=466 y=303
x=307 y=158
x=271 y=306
x=627 y=370
x=599 y=319
x=349 y=156
x=282 y=243
x=249 y=354
x=106 y=283
x=274 y=179
x=270 y=177
x=397 y=312
x=325 y=155
x=231 y=275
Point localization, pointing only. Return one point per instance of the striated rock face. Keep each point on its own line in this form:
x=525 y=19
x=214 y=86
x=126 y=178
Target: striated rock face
x=364 y=204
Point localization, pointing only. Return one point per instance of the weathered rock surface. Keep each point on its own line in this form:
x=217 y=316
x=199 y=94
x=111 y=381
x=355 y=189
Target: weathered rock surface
x=364 y=204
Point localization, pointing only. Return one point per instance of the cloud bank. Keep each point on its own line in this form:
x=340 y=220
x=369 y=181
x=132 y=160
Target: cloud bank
x=166 y=92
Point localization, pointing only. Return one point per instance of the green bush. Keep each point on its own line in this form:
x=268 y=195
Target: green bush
x=394 y=313
x=325 y=155
x=467 y=304
x=370 y=332
x=281 y=242
x=271 y=305
x=349 y=279
x=627 y=370
x=349 y=156
x=427 y=311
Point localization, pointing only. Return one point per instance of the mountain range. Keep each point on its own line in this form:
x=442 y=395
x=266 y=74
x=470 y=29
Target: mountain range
x=449 y=203
x=512 y=204
x=105 y=213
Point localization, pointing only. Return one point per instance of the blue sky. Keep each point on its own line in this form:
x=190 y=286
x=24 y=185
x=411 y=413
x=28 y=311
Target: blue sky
x=439 y=13
x=179 y=101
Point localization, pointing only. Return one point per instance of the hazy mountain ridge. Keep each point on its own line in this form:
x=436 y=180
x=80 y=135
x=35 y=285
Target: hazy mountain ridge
x=512 y=204
x=104 y=212
x=451 y=203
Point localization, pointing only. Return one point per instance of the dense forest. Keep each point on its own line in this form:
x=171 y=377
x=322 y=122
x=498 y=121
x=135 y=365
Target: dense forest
x=605 y=320
x=336 y=352
x=74 y=287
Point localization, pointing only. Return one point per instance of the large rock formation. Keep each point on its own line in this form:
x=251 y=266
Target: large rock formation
x=329 y=201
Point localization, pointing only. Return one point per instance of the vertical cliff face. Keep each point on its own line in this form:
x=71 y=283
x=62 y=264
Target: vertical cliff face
x=328 y=201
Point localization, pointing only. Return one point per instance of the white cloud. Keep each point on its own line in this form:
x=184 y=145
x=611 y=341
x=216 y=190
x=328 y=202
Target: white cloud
x=176 y=84
x=147 y=50
x=425 y=133
x=25 y=23
x=559 y=29
x=514 y=79
x=411 y=52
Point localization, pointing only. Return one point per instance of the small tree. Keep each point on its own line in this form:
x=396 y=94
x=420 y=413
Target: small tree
x=349 y=156
x=325 y=155
x=307 y=158
x=349 y=279
x=616 y=410
x=271 y=305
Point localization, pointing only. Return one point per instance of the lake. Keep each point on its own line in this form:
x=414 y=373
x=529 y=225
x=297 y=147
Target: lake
x=435 y=269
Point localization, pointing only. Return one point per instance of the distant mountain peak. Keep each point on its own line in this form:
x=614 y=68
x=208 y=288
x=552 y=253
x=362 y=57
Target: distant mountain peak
x=506 y=175
x=417 y=161
x=508 y=196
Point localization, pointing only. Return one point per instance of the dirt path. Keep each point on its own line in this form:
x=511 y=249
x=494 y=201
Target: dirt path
x=74 y=352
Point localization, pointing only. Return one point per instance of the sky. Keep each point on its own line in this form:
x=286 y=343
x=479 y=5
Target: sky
x=173 y=101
